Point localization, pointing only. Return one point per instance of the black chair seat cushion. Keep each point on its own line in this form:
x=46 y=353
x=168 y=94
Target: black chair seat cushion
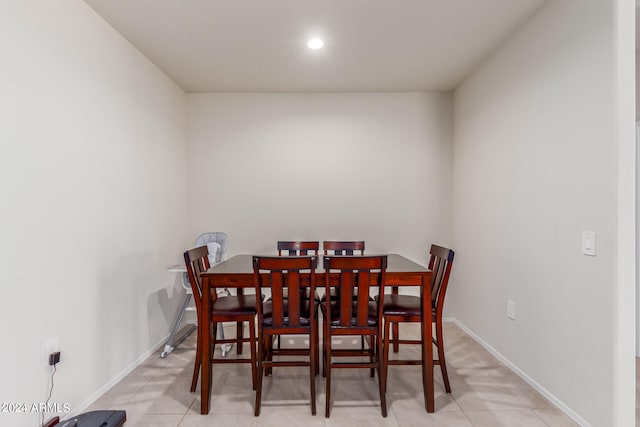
x=372 y=315
x=234 y=304
x=267 y=313
x=402 y=305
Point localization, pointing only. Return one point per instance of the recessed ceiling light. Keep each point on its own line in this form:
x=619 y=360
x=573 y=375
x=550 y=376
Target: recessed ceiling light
x=315 y=43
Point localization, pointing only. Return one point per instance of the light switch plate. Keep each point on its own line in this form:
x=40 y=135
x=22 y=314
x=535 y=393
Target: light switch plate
x=511 y=310
x=589 y=243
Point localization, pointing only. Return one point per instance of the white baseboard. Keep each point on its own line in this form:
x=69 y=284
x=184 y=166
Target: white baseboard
x=546 y=393
x=115 y=380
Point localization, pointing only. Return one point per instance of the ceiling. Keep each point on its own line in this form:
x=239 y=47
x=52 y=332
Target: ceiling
x=370 y=45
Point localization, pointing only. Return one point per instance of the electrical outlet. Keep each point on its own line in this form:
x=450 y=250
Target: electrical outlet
x=54 y=358
x=50 y=347
x=511 y=310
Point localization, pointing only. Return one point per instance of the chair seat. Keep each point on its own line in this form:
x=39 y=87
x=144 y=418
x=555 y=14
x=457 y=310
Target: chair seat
x=372 y=315
x=234 y=305
x=267 y=313
x=402 y=305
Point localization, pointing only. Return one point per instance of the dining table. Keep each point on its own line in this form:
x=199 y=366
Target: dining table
x=237 y=272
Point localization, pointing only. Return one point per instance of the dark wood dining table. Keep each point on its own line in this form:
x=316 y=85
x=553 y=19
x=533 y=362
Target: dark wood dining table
x=237 y=272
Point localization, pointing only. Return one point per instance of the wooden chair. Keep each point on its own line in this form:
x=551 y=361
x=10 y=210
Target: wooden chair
x=406 y=308
x=280 y=315
x=343 y=248
x=354 y=247
x=298 y=248
x=350 y=247
x=352 y=315
x=232 y=308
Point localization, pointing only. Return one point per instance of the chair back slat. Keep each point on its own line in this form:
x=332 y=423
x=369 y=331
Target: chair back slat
x=278 y=274
x=277 y=290
x=343 y=248
x=346 y=296
x=293 y=285
x=298 y=248
x=362 y=302
x=356 y=274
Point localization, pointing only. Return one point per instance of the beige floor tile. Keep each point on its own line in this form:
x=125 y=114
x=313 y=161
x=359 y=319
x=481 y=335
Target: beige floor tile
x=166 y=396
x=404 y=390
x=157 y=392
x=289 y=415
x=420 y=418
x=555 y=418
x=219 y=420
x=353 y=416
x=505 y=418
x=152 y=420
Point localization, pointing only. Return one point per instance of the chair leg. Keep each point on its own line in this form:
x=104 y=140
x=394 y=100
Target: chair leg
x=260 y=373
x=196 y=365
x=324 y=349
x=385 y=357
x=269 y=354
x=317 y=327
x=317 y=350
x=441 y=361
x=327 y=369
x=381 y=379
x=239 y=336
x=396 y=337
x=214 y=336
x=252 y=351
x=313 y=365
x=372 y=345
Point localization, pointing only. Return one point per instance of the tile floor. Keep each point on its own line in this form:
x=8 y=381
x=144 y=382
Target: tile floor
x=484 y=393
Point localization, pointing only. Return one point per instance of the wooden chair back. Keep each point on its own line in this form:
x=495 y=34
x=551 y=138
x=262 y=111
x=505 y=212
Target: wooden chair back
x=293 y=248
x=440 y=264
x=197 y=262
x=356 y=275
x=286 y=275
x=343 y=248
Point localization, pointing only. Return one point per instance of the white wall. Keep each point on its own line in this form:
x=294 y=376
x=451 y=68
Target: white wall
x=268 y=167
x=92 y=179
x=536 y=162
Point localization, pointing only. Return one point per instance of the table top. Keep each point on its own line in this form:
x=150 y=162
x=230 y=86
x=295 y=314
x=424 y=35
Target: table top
x=400 y=270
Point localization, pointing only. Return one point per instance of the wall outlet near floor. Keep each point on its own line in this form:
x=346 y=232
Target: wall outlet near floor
x=50 y=347
x=511 y=310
